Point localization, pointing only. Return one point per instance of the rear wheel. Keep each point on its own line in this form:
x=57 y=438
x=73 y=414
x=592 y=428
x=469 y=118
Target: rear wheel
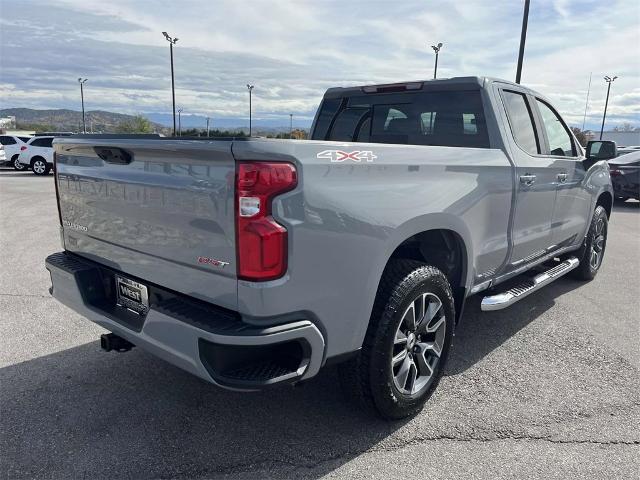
x=592 y=251
x=16 y=164
x=407 y=342
x=40 y=166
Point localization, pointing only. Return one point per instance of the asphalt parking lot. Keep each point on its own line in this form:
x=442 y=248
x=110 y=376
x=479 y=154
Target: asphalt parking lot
x=548 y=388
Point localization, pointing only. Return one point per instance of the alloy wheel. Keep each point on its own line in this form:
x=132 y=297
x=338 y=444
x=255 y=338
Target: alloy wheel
x=418 y=344
x=39 y=167
x=598 y=244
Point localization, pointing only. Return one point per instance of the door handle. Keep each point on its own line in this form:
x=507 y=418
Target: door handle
x=115 y=155
x=562 y=177
x=527 y=179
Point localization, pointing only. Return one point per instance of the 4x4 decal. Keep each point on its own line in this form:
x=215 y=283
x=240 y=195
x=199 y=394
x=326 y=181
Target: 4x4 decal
x=338 y=156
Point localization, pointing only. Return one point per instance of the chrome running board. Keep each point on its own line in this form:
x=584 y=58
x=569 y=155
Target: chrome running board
x=506 y=299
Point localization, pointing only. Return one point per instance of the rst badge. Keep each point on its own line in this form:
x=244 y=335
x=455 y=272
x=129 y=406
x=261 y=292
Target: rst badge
x=338 y=156
x=212 y=261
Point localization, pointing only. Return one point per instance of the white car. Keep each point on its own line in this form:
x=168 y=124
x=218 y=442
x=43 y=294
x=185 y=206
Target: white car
x=3 y=155
x=37 y=154
x=12 y=144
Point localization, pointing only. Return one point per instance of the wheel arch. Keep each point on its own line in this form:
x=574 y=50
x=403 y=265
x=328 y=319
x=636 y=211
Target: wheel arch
x=442 y=241
x=605 y=199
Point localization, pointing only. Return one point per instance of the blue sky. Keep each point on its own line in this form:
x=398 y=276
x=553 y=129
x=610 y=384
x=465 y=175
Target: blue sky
x=294 y=50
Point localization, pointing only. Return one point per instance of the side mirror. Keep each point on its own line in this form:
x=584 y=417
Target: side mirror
x=601 y=150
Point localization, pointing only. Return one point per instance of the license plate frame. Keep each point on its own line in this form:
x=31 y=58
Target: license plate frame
x=132 y=295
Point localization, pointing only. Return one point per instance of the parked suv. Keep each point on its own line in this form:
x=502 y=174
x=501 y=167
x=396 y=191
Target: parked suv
x=12 y=144
x=37 y=154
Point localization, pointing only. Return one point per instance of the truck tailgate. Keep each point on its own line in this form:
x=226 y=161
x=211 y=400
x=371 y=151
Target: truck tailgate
x=159 y=210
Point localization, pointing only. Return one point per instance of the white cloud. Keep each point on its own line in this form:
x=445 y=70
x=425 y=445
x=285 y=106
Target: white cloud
x=293 y=50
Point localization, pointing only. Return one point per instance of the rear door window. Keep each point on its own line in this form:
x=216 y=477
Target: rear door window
x=444 y=118
x=4 y=140
x=42 y=142
x=521 y=121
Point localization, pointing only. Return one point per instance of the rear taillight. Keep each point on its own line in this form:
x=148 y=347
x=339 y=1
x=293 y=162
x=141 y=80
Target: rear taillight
x=261 y=242
x=615 y=172
x=23 y=148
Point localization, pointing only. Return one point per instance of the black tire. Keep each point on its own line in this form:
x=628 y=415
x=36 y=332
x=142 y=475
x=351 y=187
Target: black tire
x=16 y=164
x=39 y=166
x=596 y=239
x=369 y=378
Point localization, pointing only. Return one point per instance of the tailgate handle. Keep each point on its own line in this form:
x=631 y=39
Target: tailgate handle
x=114 y=155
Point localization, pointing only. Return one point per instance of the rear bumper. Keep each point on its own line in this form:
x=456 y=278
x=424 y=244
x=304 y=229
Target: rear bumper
x=205 y=340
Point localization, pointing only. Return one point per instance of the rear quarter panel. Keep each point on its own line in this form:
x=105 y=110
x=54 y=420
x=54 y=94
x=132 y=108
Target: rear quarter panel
x=345 y=219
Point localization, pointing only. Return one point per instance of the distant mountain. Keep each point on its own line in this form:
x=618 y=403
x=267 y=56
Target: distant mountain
x=69 y=120
x=106 y=122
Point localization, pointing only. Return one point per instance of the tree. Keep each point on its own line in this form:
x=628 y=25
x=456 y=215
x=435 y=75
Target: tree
x=580 y=135
x=296 y=133
x=137 y=124
x=36 y=127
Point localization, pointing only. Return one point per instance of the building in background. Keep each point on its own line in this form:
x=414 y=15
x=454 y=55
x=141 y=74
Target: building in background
x=7 y=123
x=8 y=127
x=622 y=139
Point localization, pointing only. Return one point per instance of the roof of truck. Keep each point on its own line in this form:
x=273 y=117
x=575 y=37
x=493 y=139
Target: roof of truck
x=440 y=83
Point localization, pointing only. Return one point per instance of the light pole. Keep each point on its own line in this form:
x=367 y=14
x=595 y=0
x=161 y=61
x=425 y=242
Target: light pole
x=523 y=38
x=81 y=82
x=609 y=81
x=172 y=42
x=250 y=88
x=291 y=125
x=436 y=48
x=180 y=122
x=207 y=126
x=586 y=104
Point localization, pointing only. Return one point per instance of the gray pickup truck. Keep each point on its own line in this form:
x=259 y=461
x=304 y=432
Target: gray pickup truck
x=256 y=262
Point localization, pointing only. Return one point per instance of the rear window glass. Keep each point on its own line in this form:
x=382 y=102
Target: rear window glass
x=447 y=118
x=326 y=114
x=348 y=124
x=25 y=139
x=4 y=140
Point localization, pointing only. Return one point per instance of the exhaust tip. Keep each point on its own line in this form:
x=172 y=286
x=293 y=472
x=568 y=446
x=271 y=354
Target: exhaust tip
x=111 y=341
